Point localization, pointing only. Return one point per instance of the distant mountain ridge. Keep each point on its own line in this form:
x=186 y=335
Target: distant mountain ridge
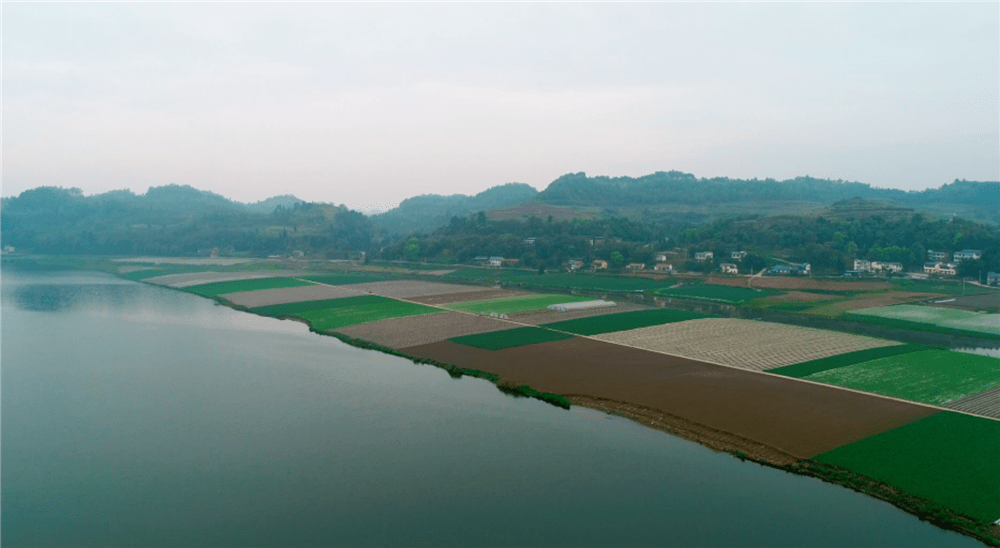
x=428 y=212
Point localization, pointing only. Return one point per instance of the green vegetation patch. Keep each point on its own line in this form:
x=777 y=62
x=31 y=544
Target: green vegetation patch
x=929 y=376
x=145 y=274
x=511 y=305
x=947 y=458
x=928 y=318
x=581 y=281
x=255 y=284
x=804 y=369
x=718 y=293
x=624 y=321
x=294 y=309
x=510 y=338
x=347 y=279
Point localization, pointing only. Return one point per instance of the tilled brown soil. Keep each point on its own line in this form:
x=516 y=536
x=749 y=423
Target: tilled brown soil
x=793 y=417
x=198 y=278
x=538 y=317
x=471 y=295
x=285 y=295
x=407 y=289
x=417 y=330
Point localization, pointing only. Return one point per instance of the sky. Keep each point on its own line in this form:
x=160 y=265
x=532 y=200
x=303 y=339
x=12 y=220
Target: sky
x=367 y=104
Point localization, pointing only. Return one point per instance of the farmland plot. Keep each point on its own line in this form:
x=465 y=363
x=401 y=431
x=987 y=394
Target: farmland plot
x=717 y=293
x=341 y=316
x=405 y=289
x=479 y=295
x=510 y=305
x=511 y=338
x=930 y=376
x=268 y=297
x=423 y=329
x=541 y=317
x=240 y=286
x=942 y=317
x=624 y=321
x=746 y=344
x=985 y=403
x=199 y=278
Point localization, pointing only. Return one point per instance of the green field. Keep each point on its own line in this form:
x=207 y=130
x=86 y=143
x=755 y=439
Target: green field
x=144 y=274
x=718 y=293
x=928 y=376
x=938 y=286
x=346 y=279
x=804 y=369
x=221 y=288
x=624 y=321
x=928 y=318
x=293 y=309
x=556 y=280
x=342 y=316
x=511 y=305
x=947 y=458
x=520 y=336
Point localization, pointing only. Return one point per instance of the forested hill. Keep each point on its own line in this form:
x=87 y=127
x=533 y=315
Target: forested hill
x=971 y=199
x=427 y=213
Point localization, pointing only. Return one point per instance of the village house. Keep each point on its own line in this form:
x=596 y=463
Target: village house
x=496 y=261
x=801 y=268
x=510 y=262
x=937 y=256
x=967 y=255
x=738 y=255
x=993 y=278
x=573 y=265
x=729 y=268
x=704 y=256
x=663 y=267
x=635 y=267
x=780 y=270
x=599 y=265
x=660 y=257
x=481 y=259
x=530 y=241
x=862 y=265
x=895 y=268
x=940 y=269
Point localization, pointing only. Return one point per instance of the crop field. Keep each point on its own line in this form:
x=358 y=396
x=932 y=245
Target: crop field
x=868 y=300
x=718 y=293
x=345 y=279
x=510 y=305
x=984 y=403
x=804 y=369
x=947 y=287
x=238 y=286
x=609 y=323
x=983 y=301
x=930 y=376
x=948 y=458
x=424 y=329
x=543 y=316
x=183 y=280
x=752 y=345
x=479 y=295
x=326 y=319
x=801 y=419
x=287 y=295
x=510 y=338
x=581 y=281
x=405 y=289
x=781 y=282
x=295 y=308
x=948 y=318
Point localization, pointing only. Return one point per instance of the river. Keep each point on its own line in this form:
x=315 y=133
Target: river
x=141 y=416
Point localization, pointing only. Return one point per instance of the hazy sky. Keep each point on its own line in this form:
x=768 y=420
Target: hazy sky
x=371 y=103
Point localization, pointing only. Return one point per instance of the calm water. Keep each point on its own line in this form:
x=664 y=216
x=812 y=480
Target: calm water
x=135 y=415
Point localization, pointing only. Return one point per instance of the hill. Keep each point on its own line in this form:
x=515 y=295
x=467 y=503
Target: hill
x=428 y=212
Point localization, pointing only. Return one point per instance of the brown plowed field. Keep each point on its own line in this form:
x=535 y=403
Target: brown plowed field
x=870 y=301
x=798 y=297
x=198 y=278
x=407 y=289
x=985 y=403
x=472 y=295
x=794 y=417
x=757 y=346
x=538 y=317
x=285 y=295
x=985 y=301
x=774 y=282
x=417 y=330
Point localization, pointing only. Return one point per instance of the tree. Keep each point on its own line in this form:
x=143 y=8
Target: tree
x=617 y=260
x=412 y=248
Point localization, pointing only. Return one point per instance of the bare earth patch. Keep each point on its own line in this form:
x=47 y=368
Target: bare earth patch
x=406 y=289
x=198 y=278
x=417 y=330
x=538 y=317
x=752 y=345
x=285 y=295
x=870 y=301
x=474 y=295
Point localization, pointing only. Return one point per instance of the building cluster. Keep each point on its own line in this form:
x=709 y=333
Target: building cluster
x=792 y=269
x=862 y=265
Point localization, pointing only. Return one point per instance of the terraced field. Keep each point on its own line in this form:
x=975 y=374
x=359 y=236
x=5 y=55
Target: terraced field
x=511 y=338
x=623 y=321
x=238 y=286
x=936 y=377
x=717 y=293
x=423 y=329
x=984 y=403
x=269 y=297
x=511 y=305
x=945 y=318
x=946 y=458
x=752 y=345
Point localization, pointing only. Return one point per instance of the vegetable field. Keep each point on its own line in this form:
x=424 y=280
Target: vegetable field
x=623 y=321
x=237 y=286
x=342 y=316
x=718 y=293
x=930 y=376
x=294 y=309
x=345 y=279
x=805 y=369
x=927 y=317
x=581 y=281
x=947 y=458
x=511 y=305
x=510 y=338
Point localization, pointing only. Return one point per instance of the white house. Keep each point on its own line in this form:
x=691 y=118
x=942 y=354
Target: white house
x=993 y=278
x=937 y=256
x=663 y=267
x=729 y=268
x=600 y=265
x=635 y=267
x=496 y=261
x=862 y=265
x=895 y=268
x=738 y=255
x=704 y=256
x=941 y=269
x=660 y=257
x=967 y=255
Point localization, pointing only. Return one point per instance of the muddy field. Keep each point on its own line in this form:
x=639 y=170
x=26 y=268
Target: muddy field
x=870 y=301
x=986 y=301
x=472 y=295
x=756 y=346
x=538 y=317
x=407 y=289
x=285 y=295
x=418 y=330
x=793 y=417
x=198 y=278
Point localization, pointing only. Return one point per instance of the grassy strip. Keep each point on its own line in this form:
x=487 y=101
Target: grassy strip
x=804 y=369
x=936 y=377
x=717 y=293
x=347 y=279
x=294 y=309
x=511 y=305
x=916 y=326
x=510 y=338
x=236 y=286
x=624 y=321
x=947 y=458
